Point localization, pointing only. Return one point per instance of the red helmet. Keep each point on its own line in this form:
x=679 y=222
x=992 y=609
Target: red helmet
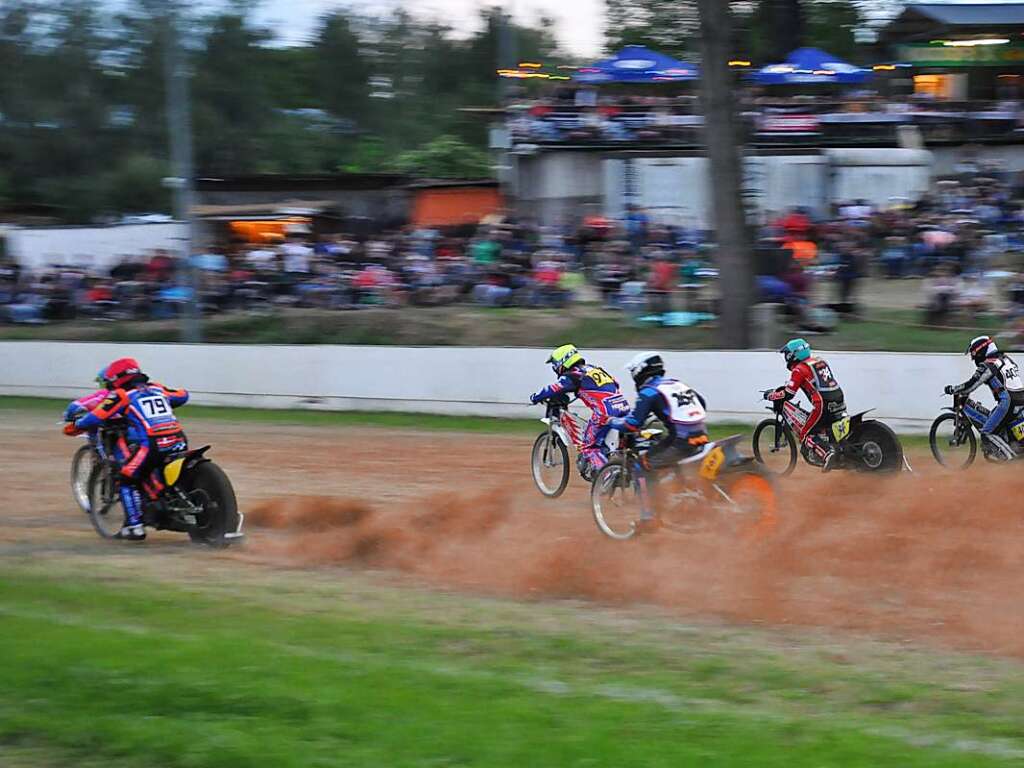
x=122 y=372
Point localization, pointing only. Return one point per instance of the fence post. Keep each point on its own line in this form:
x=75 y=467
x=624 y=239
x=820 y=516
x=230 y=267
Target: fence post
x=766 y=326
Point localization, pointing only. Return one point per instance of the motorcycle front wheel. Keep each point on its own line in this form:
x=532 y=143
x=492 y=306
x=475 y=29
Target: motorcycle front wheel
x=104 y=510
x=952 y=447
x=82 y=462
x=775 y=447
x=615 y=501
x=549 y=462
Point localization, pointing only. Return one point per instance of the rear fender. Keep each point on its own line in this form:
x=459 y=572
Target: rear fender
x=194 y=458
x=857 y=419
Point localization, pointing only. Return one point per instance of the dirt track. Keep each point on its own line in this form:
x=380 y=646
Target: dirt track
x=933 y=556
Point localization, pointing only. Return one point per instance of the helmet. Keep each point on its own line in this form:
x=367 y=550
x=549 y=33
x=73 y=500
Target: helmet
x=982 y=347
x=101 y=379
x=795 y=351
x=124 y=372
x=644 y=366
x=564 y=358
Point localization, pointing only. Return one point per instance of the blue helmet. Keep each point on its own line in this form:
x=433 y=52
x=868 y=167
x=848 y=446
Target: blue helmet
x=795 y=351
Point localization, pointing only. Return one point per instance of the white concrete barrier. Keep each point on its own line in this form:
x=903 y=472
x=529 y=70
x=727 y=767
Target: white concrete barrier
x=905 y=389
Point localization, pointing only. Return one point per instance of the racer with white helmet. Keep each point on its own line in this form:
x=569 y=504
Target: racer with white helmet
x=681 y=411
x=1002 y=376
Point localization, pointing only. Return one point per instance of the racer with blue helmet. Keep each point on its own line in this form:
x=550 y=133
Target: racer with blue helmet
x=597 y=389
x=813 y=376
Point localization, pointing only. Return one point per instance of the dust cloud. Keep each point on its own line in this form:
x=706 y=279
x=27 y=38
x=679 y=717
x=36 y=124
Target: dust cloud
x=925 y=555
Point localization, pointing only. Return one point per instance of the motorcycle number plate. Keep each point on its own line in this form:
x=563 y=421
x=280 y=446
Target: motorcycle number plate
x=712 y=464
x=1018 y=431
x=841 y=430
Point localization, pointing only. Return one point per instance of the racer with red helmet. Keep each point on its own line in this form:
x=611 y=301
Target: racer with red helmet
x=598 y=390
x=153 y=432
x=813 y=376
x=1001 y=374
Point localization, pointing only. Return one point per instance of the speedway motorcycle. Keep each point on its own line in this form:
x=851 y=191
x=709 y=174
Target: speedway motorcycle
x=953 y=436
x=866 y=445
x=549 y=459
x=719 y=487
x=197 y=498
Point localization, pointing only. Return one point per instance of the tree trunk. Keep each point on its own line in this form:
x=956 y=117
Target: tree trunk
x=787 y=27
x=722 y=136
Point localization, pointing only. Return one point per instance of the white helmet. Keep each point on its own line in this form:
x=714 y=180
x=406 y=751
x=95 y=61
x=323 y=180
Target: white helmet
x=645 y=365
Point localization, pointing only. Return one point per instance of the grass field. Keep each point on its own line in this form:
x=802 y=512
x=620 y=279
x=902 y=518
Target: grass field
x=216 y=666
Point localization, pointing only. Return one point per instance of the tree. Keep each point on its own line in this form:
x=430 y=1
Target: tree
x=445 y=157
x=340 y=73
x=667 y=26
x=722 y=137
x=232 y=104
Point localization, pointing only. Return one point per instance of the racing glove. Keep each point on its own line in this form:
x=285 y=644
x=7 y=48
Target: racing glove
x=779 y=393
x=950 y=389
x=72 y=430
x=535 y=398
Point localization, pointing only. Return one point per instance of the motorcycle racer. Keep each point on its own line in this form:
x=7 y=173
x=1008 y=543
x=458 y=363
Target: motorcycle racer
x=153 y=431
x=814 y=378
x=679 y=408
x=1001 y=374
x=86 y=403
x=598 y=390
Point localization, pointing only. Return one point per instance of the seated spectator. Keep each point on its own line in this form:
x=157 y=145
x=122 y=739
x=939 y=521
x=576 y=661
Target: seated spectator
x=941 y=295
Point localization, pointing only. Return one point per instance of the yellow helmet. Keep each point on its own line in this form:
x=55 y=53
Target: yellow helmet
x=564 y=358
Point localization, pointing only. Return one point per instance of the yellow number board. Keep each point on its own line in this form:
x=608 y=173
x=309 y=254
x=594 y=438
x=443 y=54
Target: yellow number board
x=1018 y=431
x=841 y=429
x=712 y=464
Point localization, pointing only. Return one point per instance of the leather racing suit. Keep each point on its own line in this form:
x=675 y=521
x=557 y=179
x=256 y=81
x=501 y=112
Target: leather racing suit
x=153 y=432
x=599 y=391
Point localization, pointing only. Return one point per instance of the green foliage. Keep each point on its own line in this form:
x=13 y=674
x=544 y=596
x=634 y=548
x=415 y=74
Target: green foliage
x=83 y=125
x=445 y=157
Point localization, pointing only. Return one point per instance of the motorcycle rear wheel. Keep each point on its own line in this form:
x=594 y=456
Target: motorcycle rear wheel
x=939 y=438
x=751 y=501
x=880 y=449
x=210 y=487
x=775 y=447
x=549 y=463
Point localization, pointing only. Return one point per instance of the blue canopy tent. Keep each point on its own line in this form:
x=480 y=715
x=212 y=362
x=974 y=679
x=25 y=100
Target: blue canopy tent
x=811 y=65
x=636 y=64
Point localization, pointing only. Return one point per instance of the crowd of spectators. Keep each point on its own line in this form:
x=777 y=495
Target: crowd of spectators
x=586 y=115
x=963 y=241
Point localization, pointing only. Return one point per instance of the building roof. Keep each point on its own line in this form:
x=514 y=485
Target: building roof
x=971 y=14
x=269 y=182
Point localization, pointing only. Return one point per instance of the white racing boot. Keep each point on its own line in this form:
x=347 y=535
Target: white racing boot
x=131 y=533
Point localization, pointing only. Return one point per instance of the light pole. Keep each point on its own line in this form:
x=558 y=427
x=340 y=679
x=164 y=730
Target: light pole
x=180 y=136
